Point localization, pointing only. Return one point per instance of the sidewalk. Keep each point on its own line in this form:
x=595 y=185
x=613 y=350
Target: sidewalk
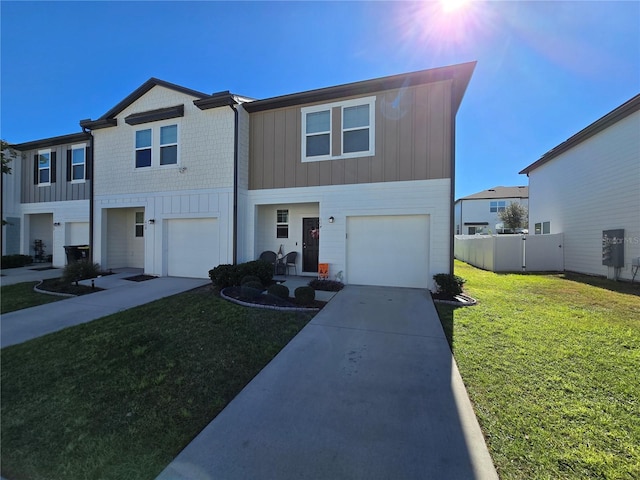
x=368 y=389
x=22 y=325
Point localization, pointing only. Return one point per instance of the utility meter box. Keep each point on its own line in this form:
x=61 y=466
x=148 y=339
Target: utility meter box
x=613 y=248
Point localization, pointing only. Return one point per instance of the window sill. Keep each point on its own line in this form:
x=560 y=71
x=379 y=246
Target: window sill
x=338 y=157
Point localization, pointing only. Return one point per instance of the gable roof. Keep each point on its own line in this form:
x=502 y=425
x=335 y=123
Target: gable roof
x=203 y=101
x=499 y=192
x=460 y=74
x=623 y=111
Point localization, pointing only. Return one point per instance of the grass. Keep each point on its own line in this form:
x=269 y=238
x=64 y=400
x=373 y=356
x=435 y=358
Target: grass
x=120 y=397
x=551 y=363
x=21 y=295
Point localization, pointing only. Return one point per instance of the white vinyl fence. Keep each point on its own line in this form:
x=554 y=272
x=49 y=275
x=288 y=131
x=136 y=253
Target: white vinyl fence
x=512 y=253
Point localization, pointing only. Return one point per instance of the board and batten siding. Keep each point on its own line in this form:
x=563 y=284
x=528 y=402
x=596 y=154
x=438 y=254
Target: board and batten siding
x=594 y=186
x=413 y=141
x=59 y=191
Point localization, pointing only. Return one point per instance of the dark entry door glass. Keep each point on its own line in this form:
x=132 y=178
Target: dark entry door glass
x=310 y=244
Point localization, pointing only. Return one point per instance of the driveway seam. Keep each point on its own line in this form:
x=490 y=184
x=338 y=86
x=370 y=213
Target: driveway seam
x=376 y=331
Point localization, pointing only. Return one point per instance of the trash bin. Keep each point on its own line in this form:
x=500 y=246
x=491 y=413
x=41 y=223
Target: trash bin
x=77 y=253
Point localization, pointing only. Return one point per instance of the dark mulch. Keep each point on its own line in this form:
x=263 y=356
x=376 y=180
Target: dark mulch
x=42 y=269
x=269 y=300
x=140 y=278
x=58 y=286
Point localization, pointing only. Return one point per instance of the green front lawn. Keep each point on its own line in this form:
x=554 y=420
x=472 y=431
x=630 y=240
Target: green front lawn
x=21 y=295
x=120 y=397
x=551 y=363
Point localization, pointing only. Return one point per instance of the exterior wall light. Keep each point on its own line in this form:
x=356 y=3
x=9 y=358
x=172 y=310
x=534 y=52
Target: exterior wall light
x=331 y=219
x=152 y=221
x=56 y=224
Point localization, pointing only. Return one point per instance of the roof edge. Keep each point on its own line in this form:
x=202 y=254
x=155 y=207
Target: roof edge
x=627 y=108
x=460 y=73
x=52 y=141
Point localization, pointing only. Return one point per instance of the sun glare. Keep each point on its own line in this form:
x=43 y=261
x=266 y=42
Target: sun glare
x=449 y=6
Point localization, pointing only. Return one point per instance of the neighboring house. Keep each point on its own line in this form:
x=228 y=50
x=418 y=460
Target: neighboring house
x=10 y=203
x=358 y=176
x=167 y=172
x=54 y=178
x=479 y=213
x=589 y=185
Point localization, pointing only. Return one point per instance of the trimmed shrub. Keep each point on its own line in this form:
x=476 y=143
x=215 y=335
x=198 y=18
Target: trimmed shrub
x=326 y=285
x=279 y=290
x=250 y=278
x=305 y=295
x=449 y=284
x=251 y=289
x=80 y=271
x=221 y=276
x=224 y=276
x=15 y=261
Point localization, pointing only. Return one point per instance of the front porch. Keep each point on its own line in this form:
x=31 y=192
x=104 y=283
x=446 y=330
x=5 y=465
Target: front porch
x=290 y=228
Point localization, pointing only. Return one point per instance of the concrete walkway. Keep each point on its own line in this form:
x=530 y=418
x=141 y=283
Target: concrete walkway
x=367 y=390
x=31 y=273
x=22 y=325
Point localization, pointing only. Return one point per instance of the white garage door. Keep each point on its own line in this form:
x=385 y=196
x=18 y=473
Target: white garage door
x=77 y=233
x=391 y=250
x=192 y=247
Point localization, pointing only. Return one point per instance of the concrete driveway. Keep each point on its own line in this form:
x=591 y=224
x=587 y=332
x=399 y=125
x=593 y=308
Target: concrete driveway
x=367 y=390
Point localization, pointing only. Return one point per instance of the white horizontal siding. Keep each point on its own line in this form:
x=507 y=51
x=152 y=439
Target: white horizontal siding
x=424 y=197
x=595 y=186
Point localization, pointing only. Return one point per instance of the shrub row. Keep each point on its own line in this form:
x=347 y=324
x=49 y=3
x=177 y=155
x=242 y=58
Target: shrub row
x=224 y=276
x=15 y=261
x=80 y=271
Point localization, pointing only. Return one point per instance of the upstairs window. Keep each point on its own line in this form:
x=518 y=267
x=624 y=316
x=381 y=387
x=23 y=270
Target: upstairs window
x=44 y=167
x=143 y=148
x=169 y=145
x=77 y=162
x=318 y=133
x=497 y=206
x=351 y=121
x=355 y=129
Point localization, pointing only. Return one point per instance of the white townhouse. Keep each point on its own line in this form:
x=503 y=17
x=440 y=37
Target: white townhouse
x=169 y=165
x=479 y=213
x=588 y=188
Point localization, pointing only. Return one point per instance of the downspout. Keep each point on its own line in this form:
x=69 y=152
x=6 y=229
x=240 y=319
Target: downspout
x=452 y=190
x=235 y=183
x=92 y=179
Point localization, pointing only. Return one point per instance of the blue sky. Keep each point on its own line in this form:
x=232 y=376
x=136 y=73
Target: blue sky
x=546 y=69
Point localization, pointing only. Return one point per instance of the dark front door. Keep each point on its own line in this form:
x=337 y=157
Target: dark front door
x=310 y=242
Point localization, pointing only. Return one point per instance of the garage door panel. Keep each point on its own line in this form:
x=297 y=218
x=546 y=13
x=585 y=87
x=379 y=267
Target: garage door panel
x=391 y=250
x=192 y=247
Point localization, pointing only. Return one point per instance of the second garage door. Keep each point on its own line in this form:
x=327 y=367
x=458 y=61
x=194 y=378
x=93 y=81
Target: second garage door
x=391 y=250
x=192 y=247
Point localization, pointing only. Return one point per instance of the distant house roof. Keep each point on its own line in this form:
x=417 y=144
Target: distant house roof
x=460 y=74
x=623 y=111
x=499 y=192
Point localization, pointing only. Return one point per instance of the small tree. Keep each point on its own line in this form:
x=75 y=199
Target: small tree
x=5 y=152
x=514 y=216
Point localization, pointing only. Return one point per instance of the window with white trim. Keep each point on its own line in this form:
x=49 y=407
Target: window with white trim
x=143 y=148
x=78 y=162
x=546 y=227
x=355 y=128
x=282 y=224
x=44 y=167
x=139 y=232
x=169 y=145
x=497 y=206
